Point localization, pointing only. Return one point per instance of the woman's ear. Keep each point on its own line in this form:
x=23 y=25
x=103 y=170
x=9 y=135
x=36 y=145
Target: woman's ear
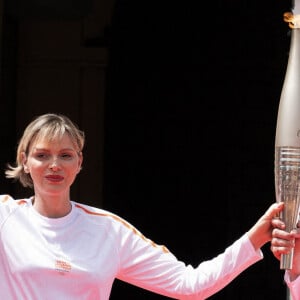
x=80 y=162
x=24 y=162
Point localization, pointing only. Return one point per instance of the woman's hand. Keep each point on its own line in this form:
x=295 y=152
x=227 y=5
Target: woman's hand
x=284 y=242
x=261 y=232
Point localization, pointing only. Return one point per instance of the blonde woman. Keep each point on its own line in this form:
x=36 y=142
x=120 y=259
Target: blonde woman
x=54 y=248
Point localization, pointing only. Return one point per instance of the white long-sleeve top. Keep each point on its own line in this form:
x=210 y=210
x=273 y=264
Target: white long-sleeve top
x=79 y=256
x=294 y=286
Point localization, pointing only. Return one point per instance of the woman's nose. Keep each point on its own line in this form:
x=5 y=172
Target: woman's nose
x=54 y=164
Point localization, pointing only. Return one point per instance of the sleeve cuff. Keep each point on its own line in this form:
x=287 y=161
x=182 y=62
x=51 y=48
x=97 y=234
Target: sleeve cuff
x=288 y=280
x=258 y=253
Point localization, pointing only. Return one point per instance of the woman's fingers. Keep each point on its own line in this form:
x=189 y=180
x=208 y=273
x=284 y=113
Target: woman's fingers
x=277 y=223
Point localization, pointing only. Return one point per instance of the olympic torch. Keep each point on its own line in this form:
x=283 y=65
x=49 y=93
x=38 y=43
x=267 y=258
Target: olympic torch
x=287 y=141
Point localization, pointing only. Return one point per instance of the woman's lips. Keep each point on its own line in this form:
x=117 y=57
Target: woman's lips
x=54 y=178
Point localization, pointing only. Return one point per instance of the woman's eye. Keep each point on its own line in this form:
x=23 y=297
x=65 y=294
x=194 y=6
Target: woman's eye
x=66 y=156
x=41 y=155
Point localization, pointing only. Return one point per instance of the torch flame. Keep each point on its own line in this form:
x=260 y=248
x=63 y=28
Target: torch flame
x=293 y=20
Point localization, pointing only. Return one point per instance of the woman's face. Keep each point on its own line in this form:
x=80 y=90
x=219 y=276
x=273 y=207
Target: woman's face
x=52 y=165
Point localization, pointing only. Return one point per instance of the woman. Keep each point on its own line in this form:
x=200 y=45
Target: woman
x=55 y=248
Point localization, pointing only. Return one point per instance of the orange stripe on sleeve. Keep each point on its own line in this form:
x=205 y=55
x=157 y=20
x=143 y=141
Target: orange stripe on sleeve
x=134 y=230
x=5 y=198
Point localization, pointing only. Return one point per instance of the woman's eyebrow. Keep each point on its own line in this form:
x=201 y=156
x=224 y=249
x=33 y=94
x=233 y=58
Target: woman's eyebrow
x=49 y=150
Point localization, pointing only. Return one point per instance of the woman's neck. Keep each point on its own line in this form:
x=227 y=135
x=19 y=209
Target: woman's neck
x=52 y=207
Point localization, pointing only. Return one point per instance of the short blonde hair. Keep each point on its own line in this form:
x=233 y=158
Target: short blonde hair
x=49 y=126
